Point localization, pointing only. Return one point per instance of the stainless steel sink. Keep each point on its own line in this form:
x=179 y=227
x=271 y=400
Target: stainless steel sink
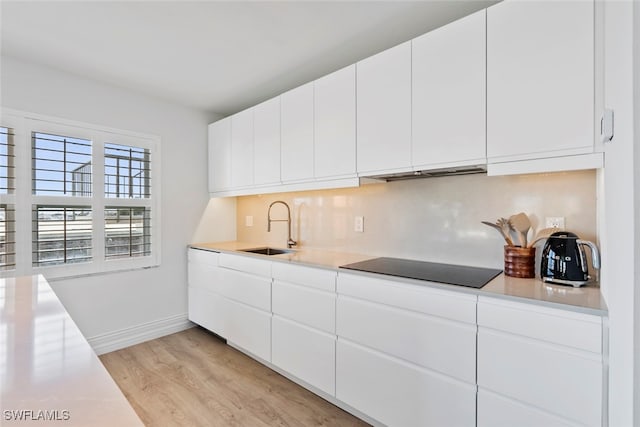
x=268 y=251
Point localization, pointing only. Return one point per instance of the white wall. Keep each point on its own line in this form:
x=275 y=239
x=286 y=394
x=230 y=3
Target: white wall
x=619 y=224
x=435 y=219
x=113 y=307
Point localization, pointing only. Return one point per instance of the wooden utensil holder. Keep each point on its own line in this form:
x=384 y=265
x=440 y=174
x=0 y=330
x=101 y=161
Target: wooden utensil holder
x=519 y=262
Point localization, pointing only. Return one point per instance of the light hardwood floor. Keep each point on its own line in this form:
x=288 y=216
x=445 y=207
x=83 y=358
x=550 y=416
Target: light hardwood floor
x=193 y=378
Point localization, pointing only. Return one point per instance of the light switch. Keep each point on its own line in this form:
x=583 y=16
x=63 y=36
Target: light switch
x=248 y=221
x=358 y=224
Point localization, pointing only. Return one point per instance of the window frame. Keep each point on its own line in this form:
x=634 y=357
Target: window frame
x=23 y=199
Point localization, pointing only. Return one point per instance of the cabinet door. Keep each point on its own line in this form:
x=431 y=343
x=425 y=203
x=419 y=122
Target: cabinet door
x=449 y=96
x=246 y=288
x=497 y=411
x=202 y=270
x=384 y=111
x=220 y=155
x=308 y=306
x=543 y=357
x=242 y=149
x=305 y=352
x=266 y=142
x=557 y=379
x=207 y=309
x=248 y=328
x=540 y=79
x=297 y=133
x=335 y=123
x=397 y=393
x=444 y=346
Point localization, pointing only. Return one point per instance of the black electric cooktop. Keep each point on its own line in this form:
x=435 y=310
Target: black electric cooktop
x=473 y=277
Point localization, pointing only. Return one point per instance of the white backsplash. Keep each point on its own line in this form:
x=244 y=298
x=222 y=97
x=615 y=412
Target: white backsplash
x=435 y=219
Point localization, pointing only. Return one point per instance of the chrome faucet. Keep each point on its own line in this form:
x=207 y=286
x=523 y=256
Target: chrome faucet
x=290 y=242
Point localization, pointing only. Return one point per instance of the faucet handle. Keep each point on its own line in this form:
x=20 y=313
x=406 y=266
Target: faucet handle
x=291 y=243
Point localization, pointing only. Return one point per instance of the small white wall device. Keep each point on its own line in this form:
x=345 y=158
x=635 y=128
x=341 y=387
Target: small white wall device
x=606 y=125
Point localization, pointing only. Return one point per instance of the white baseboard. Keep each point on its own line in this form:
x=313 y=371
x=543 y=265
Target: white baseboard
x=112 y=341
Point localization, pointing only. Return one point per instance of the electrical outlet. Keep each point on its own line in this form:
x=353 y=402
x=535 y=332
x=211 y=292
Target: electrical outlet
x=554 y=222
x=358 y=224
x=248 y=221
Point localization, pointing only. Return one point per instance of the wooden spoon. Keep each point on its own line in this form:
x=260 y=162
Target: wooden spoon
x=507 y=228
x=522 y=225
x=543 y=234
x=497 y=227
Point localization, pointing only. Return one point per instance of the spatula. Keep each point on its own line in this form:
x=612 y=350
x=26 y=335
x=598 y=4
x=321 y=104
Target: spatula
x=502 y=233
x=522 y=225
x=543 y=234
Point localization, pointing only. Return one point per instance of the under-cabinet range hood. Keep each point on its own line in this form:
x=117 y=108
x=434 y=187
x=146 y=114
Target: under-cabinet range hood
x=431 y=173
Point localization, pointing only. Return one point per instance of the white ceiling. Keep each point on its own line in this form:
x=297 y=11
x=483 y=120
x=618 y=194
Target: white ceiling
x=219 y=56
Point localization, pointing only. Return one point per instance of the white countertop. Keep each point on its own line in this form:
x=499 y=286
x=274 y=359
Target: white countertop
x=48 y=371
x=586 y=299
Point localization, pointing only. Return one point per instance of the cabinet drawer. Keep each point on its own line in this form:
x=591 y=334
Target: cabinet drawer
x=203 y=257
x=304 y=352
x=400 y=394
x=497 y=411
x=207 y=309
x=307 y=276
x=249 y=329
x=436 y=302
x=435 y=343
x=578 y=330
x=308 y=306
x=246 y=264
x=246 y=288
x=558 y=379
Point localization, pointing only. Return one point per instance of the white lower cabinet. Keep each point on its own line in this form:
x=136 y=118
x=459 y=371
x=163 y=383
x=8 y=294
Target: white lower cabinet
x=406 y=353
x=538 y=363
x=205 y=303
x=306 y=353
x=495 y=410
x=398 y=393
x=303 y=335
x=232 y=303
x=313 y=308
x=248 y=328
x=248 y=303
x=207 y=309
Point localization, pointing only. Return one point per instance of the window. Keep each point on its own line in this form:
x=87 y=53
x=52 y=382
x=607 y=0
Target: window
x=76 y=198
x=7 y=237
x=7 y=166
x=127 y=179
x=126 y=172
x=127 y=232
x=7 y=210
x=61 y=235
x=61 y=165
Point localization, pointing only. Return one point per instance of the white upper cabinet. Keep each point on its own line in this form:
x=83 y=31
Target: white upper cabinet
x=242 y=149
x=335 y=124
x=266 y=142
x=297 y=133
x=540 y=79
x=384 y=111
x=220 y=155
x=449 y=94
